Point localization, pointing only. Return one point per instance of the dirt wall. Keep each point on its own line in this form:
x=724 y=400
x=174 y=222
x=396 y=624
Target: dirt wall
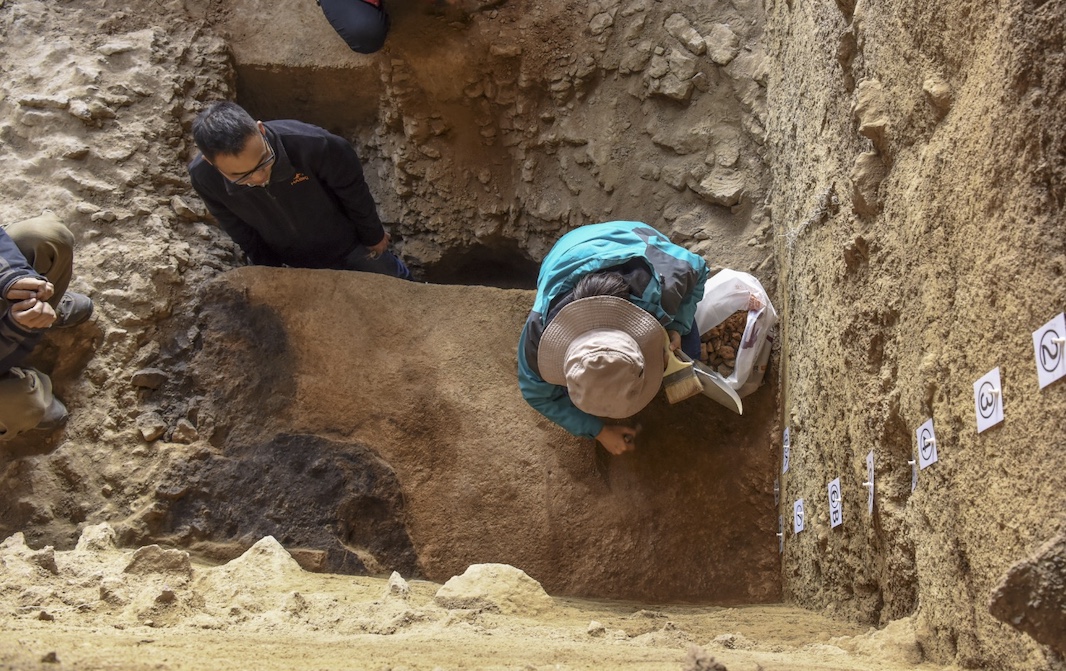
x=490 y=128
x=917 y=155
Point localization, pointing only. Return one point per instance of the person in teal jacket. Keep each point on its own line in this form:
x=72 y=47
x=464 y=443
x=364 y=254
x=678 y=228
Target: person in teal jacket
x=609 y=298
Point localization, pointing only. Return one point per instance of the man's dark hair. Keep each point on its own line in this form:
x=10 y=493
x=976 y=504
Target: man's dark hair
x=601 y=284
x=223 y=128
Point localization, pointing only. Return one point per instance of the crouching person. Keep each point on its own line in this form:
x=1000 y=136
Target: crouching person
x=608 y=297
x=36 y=264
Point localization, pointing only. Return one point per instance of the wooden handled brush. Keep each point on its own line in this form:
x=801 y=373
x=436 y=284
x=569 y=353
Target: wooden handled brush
x=679 y=379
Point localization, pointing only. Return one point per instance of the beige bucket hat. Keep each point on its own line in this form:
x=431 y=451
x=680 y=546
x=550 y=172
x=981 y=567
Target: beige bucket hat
x=607 y=352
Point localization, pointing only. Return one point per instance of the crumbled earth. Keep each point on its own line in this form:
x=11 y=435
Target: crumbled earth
x=98 y=606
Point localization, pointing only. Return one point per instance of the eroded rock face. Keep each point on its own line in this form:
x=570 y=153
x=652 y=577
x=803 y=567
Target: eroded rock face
x=901 y=299
x=1031 y=596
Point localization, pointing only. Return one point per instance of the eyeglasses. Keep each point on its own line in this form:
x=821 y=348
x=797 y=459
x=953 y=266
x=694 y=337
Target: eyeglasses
x=242 y=180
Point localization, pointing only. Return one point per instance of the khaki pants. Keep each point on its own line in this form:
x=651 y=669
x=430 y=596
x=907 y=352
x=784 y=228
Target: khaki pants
x=25 y=393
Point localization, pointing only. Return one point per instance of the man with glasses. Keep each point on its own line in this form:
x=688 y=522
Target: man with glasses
x=289 y=193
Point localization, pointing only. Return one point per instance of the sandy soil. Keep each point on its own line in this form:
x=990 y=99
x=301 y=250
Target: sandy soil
x=97 y=607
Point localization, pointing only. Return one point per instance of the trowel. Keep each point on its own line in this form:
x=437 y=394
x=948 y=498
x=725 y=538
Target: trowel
x=714 y=385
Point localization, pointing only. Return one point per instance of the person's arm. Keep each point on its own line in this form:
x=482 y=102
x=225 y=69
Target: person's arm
x=245 y=236
x=340 y=170
x=552 y=400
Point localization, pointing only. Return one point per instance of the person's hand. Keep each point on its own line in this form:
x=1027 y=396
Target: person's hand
x=675 y=340
x=379 y=249
x=617 y=439
x=30 y=287
x=33 y=314
x=29 y=308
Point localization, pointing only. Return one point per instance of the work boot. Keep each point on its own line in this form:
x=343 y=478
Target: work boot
x=73 y=310
x=55 y=415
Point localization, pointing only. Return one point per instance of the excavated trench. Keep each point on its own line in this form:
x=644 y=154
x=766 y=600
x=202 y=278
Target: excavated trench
x=478 y=148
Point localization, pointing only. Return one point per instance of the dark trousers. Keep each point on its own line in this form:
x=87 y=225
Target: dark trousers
x=362 y=24
x=690 y=343
x=26 y=393
x=386 y=263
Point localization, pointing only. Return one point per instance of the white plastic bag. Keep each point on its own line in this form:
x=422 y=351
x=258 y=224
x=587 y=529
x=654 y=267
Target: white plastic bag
x=730 y=291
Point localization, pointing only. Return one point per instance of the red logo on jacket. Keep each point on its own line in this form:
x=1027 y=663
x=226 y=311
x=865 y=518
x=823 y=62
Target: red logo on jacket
x=300 y=177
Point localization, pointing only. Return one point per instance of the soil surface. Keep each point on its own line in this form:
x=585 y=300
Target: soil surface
x=97 y=607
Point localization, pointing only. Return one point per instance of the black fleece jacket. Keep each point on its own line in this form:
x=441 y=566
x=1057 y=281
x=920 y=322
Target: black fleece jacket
x=16 y=342
x=316 y=209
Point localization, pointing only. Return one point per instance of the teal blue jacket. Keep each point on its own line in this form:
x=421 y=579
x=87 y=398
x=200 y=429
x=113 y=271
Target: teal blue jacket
x=664 y=279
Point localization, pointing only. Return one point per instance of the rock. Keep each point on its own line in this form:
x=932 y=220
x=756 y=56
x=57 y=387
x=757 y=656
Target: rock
x=600 y=23
x=939 y=94
x=114 y=48
x=44 y=558
x=45 y=616
x=675 y=89
x=674 y=175
x=497 y=587
x=727 y=151
x=103 y=215
x=866 y=176
x=15 y=545
x=149 y=378
x=397 y=588
x=80 y=110
x=734 y=642
x=595 y=629
x=113 y=591
x=185 y=432
x=698 y=659
x=1031 y=596
x=701 y=82
x=659 y=67
x=39 y=101
x=151 y=425
x=870 y=112
x=76 y=153
x=723 y=45
x=166 y=595
x=678 y=26
x=154 y=559
x=691 y=225
x=96 y=538
x=267 y=558
x=50 y=658
x=722 y=186
x=182 y=209
x=685 y=139
x=682 y=65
